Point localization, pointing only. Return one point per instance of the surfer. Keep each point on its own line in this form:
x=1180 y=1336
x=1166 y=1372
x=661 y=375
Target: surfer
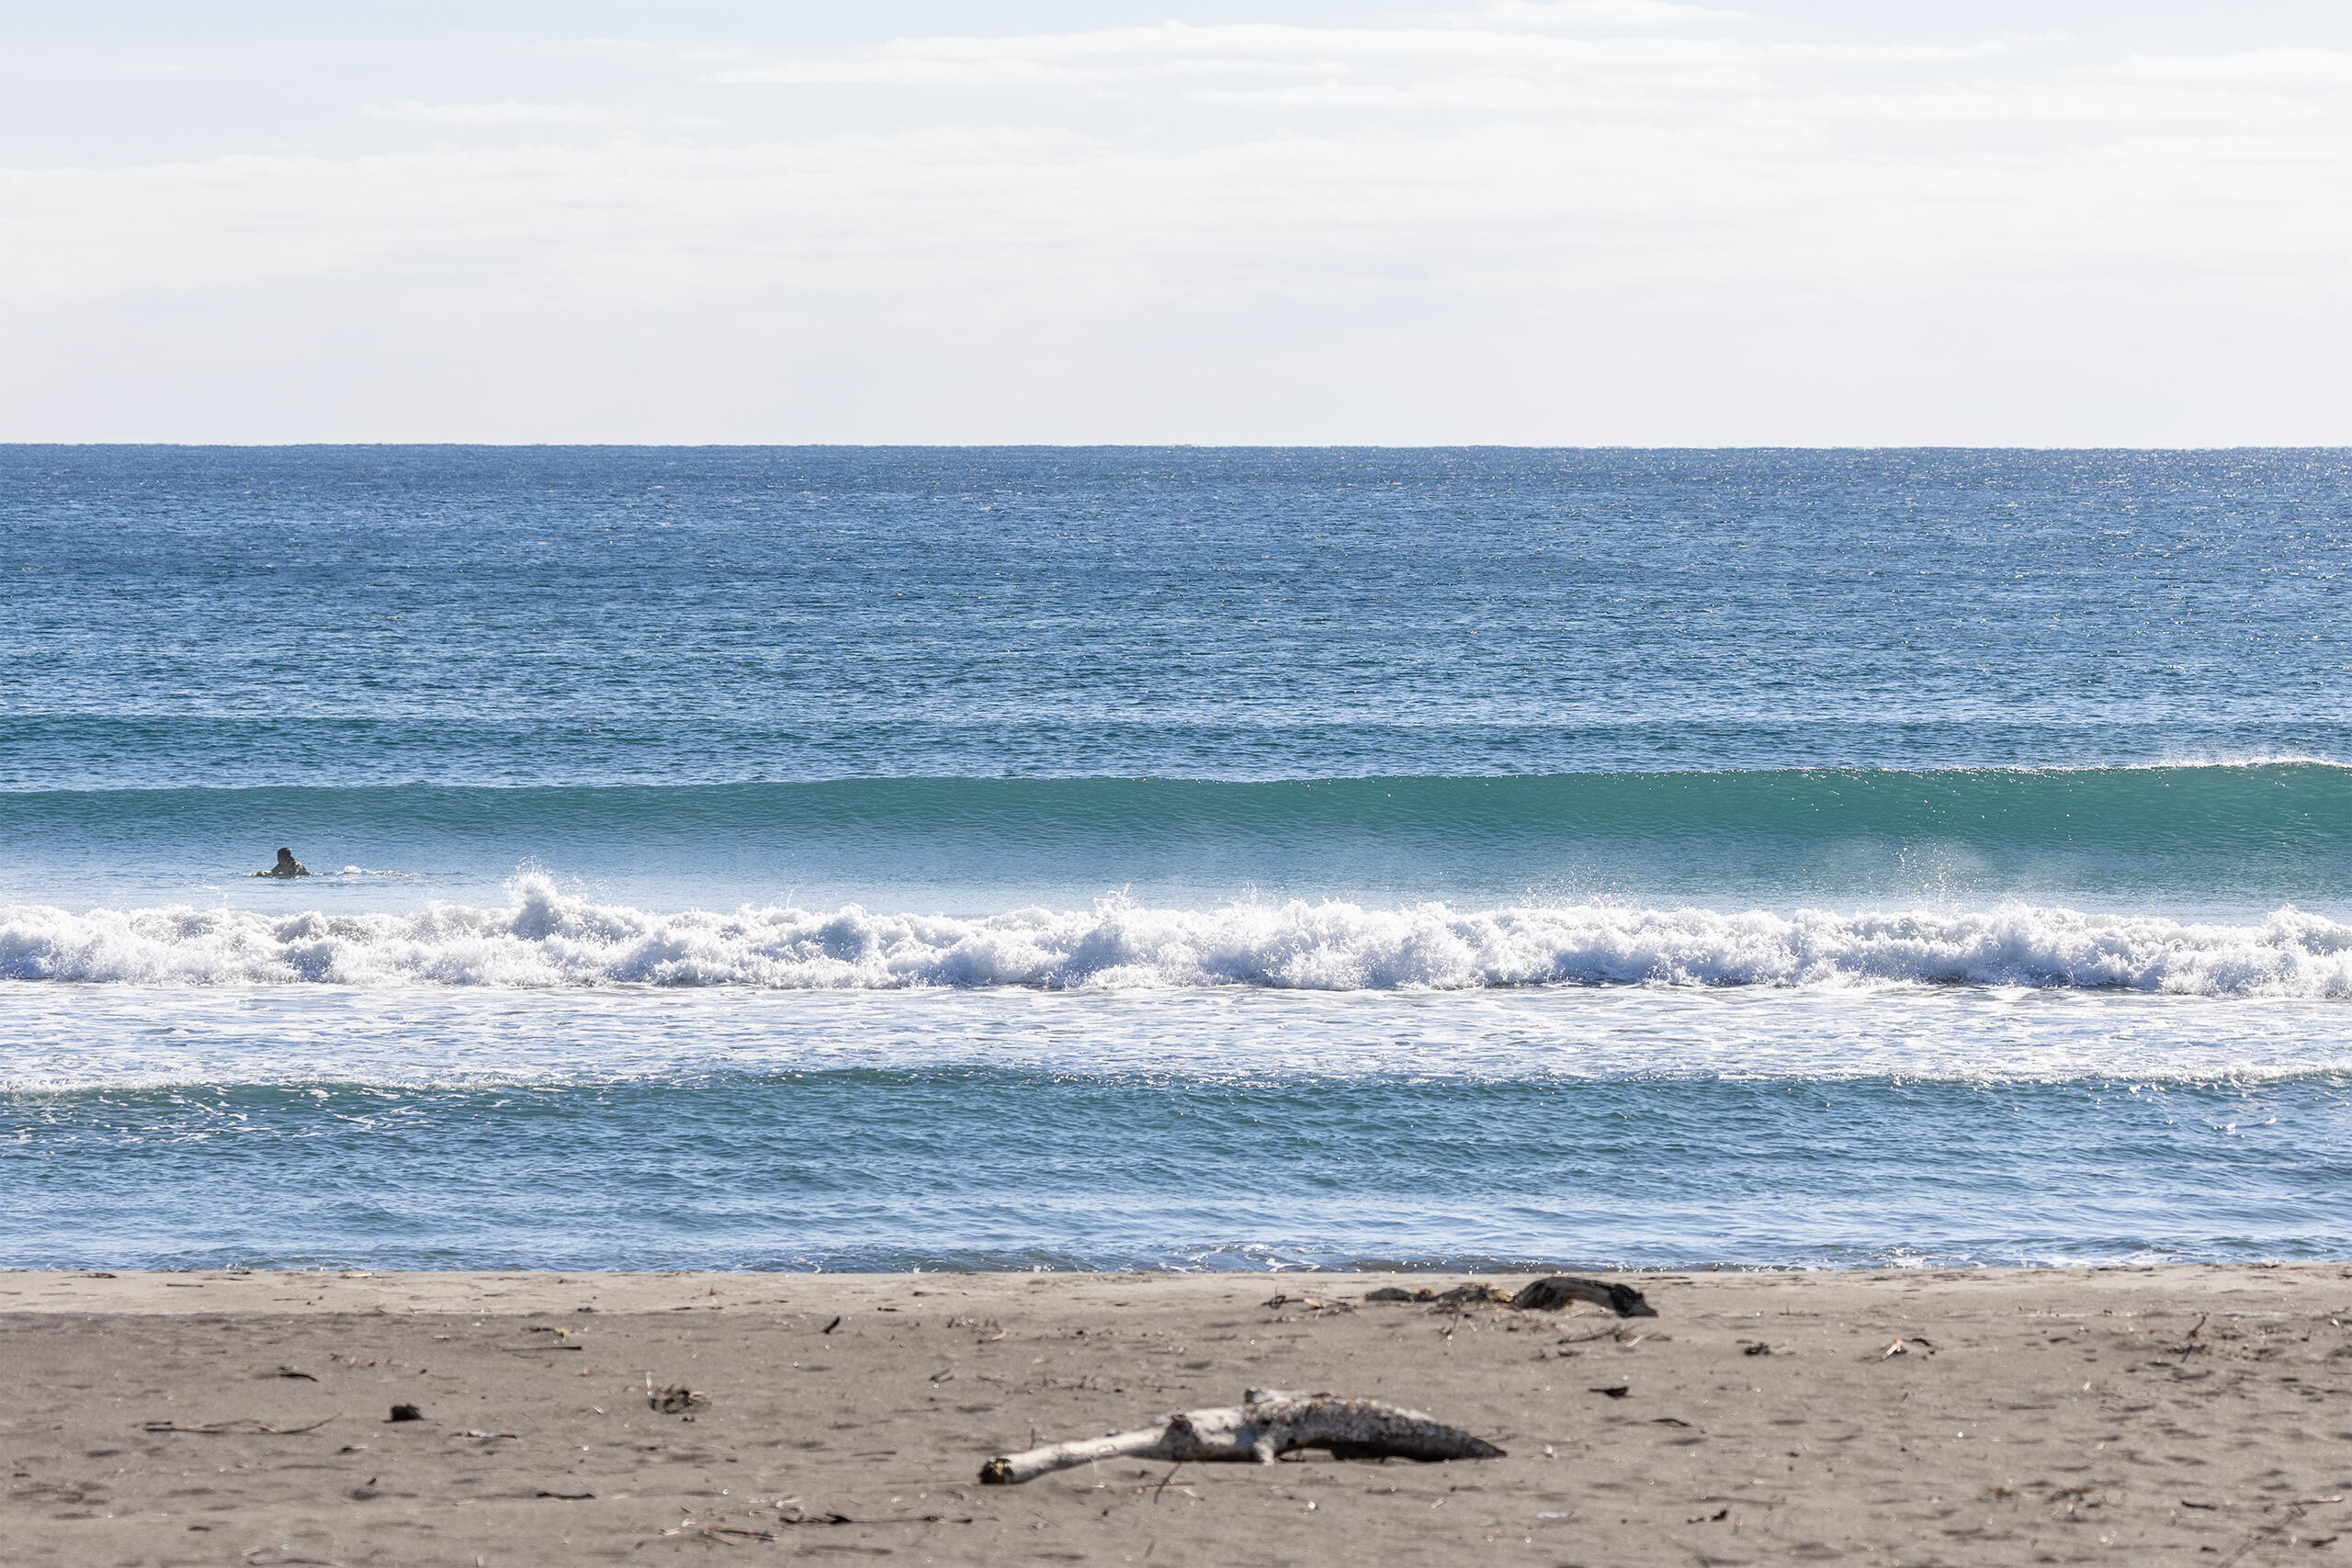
x=287 y=866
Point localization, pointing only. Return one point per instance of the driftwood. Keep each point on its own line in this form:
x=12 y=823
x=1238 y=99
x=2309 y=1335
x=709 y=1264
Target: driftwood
x=1543 y=1295
x=243 y=1427
x=1460 y=1296
x=1268 y=1422
x=1552 y=1294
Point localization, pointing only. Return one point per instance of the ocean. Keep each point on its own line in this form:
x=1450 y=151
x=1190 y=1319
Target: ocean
x=806 y=858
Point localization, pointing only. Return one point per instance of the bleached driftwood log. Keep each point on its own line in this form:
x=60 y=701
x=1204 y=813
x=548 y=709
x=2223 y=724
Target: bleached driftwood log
x=1269 y=1422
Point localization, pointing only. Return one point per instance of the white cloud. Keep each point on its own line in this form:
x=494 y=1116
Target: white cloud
x=2269 y=68
x=1684 y=203
x=508 y=112
x=1420 y=58
x=1590 y=15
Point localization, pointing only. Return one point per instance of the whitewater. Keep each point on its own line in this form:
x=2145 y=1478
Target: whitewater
x=544 y=939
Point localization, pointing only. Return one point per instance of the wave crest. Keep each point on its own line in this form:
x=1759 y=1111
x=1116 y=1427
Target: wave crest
x=545 y=938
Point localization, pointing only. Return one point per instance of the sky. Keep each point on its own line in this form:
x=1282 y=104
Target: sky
x=1555 y=222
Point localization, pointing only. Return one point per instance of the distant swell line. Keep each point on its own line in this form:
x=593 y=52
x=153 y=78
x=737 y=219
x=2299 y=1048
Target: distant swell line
x=544 y=940
x=2268 y=807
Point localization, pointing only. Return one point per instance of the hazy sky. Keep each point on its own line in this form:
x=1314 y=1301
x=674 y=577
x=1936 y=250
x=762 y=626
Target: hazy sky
x=1591 y=222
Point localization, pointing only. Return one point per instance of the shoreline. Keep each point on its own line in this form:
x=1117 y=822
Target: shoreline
x=2134 y=1413
x=137 y=1291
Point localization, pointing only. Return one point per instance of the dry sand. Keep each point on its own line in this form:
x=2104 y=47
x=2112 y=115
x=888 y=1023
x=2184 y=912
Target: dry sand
x=2182 y=1414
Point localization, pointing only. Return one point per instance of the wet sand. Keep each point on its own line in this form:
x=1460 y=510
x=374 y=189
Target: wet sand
x=2177 y=1414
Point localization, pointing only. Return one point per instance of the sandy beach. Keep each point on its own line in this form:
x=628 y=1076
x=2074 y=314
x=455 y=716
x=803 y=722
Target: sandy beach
x=2140 y=1416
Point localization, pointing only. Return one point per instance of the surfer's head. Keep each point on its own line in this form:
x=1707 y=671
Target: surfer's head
x=286 y=857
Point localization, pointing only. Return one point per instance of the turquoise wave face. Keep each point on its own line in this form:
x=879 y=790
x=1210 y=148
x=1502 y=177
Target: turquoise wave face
x=2197 y=840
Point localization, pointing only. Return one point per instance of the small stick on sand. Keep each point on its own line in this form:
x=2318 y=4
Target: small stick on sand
x=1271 y=1422
x=246 y=1429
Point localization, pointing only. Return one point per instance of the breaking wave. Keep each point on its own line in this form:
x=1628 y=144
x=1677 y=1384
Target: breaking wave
x=545 y=938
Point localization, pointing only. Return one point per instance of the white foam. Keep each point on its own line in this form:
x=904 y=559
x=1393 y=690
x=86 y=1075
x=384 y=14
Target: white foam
x=545 y=938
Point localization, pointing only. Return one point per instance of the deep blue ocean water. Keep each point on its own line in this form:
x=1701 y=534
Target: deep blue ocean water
x=1232 y=858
